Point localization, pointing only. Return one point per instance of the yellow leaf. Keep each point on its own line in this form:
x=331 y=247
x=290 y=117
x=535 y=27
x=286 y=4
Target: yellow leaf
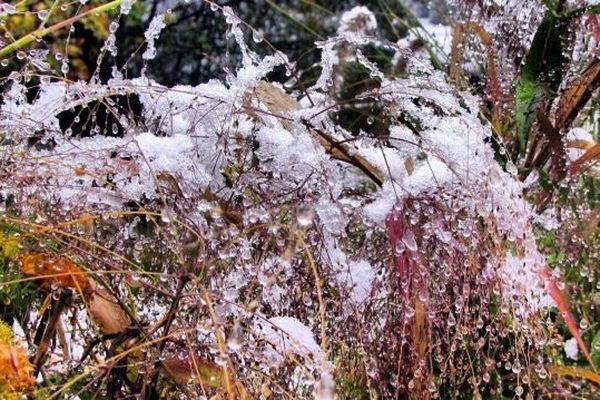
x=10 y=245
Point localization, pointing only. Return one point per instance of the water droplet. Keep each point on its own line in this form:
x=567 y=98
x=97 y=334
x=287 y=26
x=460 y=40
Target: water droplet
x=519 y=390
x=167 y=215
x=486 y=377
x=409 y=241
x=257 y=36
x=113 y=26
x=451 y=320
x=42 y=14
x=305 y=216
x=234 y=341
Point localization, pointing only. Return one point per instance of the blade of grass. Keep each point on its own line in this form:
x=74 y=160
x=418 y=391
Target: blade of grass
x=541 y=75
x=27 y=39
x=295 y=20
x=592 y=154
x=562 y=306
x=577 y=94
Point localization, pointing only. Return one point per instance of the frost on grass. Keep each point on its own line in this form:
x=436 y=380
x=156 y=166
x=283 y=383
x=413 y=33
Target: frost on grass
x=295 y=252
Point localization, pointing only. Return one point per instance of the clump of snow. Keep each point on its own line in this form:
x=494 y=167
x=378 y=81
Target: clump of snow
x=571 y=349
x=126 y=6
x=287 y=334
x=358 y=19
x=362 y=276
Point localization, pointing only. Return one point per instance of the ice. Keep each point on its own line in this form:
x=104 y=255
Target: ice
x=156 y=26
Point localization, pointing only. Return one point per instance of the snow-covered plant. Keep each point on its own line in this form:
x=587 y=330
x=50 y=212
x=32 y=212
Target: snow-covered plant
x=232 y=239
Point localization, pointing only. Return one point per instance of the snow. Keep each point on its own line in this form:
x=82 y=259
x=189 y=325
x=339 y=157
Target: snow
x=357 y=19
x=571 y=349
x=288 y=334
x=126 y=6
x=362 y=276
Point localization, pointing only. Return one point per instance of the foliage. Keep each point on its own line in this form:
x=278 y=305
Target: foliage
x=396 y=215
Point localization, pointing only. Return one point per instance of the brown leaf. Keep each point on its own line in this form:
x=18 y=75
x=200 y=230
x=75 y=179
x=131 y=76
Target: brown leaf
x=555 y=144
x=193 y=370
x=592 y=154
x=577 y=94
x=409 y=164
x=106 y=312
x=48 y=329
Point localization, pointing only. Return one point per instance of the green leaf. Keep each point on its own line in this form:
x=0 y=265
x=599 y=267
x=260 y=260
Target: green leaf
x=595 y=348
x=541 y=75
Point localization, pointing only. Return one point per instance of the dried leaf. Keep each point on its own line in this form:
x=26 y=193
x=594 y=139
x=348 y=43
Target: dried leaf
x=577 y=94
x=193 y=370
x=555 y=144
x=592 y=154
x=409 y=164
x=49 y=325
x=55 y=270
x=577 y=372
x=106 y=312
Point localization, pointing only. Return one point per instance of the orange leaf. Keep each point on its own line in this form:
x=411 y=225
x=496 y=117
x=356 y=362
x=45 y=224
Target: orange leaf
x=577 y=372
x=16 y=372
x=55 y=270
x=562 y=306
